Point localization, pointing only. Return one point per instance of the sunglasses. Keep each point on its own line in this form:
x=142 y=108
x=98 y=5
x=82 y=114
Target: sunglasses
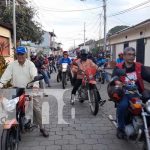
x=130 y=54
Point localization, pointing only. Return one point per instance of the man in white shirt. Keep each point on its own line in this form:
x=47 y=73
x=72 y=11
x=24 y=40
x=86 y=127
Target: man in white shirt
x=21 y=72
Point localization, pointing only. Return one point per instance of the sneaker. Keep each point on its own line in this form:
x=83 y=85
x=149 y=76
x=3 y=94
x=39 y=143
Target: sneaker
x=120 y=134
x=72 y=99
x=44 y=132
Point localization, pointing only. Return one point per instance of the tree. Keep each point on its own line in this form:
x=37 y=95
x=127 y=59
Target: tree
x=27 y=29
x=116 y=29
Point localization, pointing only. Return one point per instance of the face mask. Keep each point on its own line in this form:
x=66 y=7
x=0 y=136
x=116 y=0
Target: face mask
x=83 y=57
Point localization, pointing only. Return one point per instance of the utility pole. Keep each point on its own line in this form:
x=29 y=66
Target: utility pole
x=6 y=2
x=74 y=45
x=104 y=7
x=14 y=23
x=84 y=33
x=100 y=30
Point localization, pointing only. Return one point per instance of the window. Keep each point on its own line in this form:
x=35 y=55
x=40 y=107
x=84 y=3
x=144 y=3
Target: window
x=126 y=44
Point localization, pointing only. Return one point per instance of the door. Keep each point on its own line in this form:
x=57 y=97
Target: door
x=140 y=51
x=126 y=45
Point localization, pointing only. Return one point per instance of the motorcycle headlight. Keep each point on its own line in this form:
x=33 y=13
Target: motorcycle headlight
x=147 y=106
x=91 y=77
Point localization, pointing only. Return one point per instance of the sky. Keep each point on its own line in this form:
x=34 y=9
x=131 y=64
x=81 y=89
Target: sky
x=67 y=21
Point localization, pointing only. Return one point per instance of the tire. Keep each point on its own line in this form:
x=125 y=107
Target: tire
x=81 y=99
x=63 y=80
x=103 y=78
x=10 y=139
x=94 y=104
x=144 y=147
x=58 y=78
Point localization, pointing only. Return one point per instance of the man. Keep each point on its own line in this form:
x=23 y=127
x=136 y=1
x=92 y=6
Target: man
x=134 y=71
x=52 y=63
x=64 y=59
x=74 y=75
x=83 y=62
x=120 y=58
x=90 y=56
x=21 y=72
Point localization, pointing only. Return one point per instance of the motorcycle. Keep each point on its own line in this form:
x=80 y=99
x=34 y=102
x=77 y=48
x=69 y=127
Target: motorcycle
x=14 y=126
x=88 y=90
x=64 y=74
x=137 y=125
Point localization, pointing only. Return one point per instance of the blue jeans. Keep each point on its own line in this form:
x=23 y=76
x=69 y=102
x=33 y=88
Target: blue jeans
x=122 y=109
x=46 y=76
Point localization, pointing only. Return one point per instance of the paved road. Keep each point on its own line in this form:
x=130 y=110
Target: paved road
x=83 y=131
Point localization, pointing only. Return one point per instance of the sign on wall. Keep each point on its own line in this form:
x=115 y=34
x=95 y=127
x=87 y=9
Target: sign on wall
x=4 y=46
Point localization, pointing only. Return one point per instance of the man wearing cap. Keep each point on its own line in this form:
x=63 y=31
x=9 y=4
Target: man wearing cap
x=120 y=58
x=21 y=72
x=134 y=71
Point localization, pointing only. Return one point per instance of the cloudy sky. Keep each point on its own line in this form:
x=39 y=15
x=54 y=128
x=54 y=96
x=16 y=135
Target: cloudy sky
x=67 y=17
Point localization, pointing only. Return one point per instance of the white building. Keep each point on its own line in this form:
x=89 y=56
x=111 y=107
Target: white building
x=137 y=36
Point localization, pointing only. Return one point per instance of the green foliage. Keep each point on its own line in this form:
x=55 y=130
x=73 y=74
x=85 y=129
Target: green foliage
x=116 y=29
x=95 y=51
x=27 y=29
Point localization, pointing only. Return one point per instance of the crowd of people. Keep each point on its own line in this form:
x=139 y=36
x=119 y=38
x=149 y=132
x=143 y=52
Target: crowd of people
x=45 y=65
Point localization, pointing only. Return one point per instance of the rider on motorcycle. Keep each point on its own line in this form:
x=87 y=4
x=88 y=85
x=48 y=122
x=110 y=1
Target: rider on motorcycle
x=21 y=72
x=135 y=72
x=82 y=63
x=64 y=59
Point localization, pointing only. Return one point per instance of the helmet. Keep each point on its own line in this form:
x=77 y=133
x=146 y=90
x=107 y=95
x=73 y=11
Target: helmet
x=65 y=52
x=115 y=93
x=21 y=49
x=78 y=54
x=83 y=52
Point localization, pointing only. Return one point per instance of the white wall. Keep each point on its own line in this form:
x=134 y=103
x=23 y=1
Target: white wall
x=119 y=49
x=133 y=44
x=147 y=53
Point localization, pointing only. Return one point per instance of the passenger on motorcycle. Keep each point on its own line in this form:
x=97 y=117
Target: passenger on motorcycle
x=74 y=75
x=21 y=72
x=135 y=72
x=81 y=64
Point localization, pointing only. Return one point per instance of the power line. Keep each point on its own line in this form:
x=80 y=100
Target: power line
x=61 y=10
x=130 y=9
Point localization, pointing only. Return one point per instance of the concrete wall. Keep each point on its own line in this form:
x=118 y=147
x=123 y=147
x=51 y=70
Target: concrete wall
x=6 y=33
x=131 y=36
x=147 y=52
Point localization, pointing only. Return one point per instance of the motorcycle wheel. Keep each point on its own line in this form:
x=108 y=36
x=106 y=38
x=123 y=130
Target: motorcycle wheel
x=10 y=139
x=94 y=105
x=58 y=78
x=63 y=80
x=103 y=79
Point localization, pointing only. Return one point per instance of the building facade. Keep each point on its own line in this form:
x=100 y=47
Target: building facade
x=137 y=36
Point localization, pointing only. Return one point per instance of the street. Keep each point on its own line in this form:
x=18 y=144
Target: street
x=83 y=131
